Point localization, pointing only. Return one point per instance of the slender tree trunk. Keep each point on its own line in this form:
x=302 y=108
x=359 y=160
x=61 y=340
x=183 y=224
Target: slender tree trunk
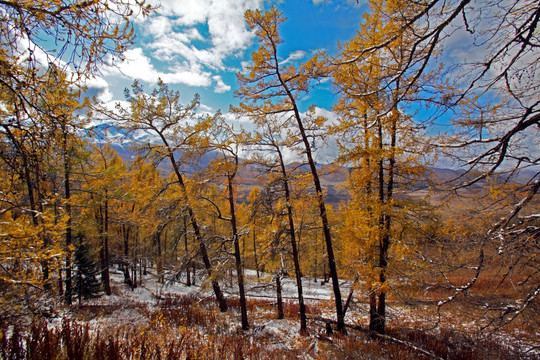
x=196 y=229
x=125 y=233
x=385 y=199
x=237 y=254
x=292 y=234
x=320 y=199
x=188 y=264
x=127 y=261
x=255 y=254
x=159 y=259
x=134 y=274
x=385 y=245
x=378 y=310
x=373 y=311
x=68 y=235
x=105 y=272
x=60 y=280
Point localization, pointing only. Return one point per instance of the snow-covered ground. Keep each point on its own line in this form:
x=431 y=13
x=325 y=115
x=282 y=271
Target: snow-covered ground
x=137 y=308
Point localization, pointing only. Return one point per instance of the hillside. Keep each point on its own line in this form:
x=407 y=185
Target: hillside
x=174 y=321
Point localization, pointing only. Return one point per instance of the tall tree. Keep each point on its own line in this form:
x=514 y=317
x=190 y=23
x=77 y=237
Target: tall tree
x=377 y=137
x=269 y=137
x=489 y=100
x=273 y=86
x=103 y=175
x=229 y=142
x=182 y=139
x=59 y=105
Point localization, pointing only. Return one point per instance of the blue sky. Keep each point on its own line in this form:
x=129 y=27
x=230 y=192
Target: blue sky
x=197 y=46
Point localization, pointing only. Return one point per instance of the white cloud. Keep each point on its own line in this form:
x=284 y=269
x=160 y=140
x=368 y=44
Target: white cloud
x=188 y=42
x=221 y=87
x=138 y=66
x=159 y=26
x=226 y=24
x=188 y=12
x=295 y=55
x=205 y=109
x=186 y=56
x=192 y=77
x=175 y=30
x=99 y=88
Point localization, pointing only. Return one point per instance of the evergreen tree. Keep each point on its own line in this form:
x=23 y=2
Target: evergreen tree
x=85 y=282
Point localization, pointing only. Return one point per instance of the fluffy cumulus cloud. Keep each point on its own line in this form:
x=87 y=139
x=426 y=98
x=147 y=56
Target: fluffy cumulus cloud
x=189 y=41
x=99 y=88
x=221 y=87
x=138 y=66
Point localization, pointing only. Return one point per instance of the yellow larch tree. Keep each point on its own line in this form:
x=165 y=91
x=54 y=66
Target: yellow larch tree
x=273 y=86
x=182 y=139
x=380 y=142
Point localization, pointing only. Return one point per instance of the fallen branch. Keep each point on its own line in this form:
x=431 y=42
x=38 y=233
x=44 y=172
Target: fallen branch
x=388 y=338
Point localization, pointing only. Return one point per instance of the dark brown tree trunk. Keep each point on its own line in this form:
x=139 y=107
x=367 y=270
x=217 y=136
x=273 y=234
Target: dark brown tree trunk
x=384 y=225
x=159 y=259
x=134 y=274
x=373 y=318
x=68 y=236
x=196 y=229
x=126 y=268
x=188 y=264
x=60 y=280
x=292 y=234
x=255 y=254
x=237 y=254
x=320 y=202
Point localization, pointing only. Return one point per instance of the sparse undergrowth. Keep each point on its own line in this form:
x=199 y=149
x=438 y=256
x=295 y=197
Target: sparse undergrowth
x=190 y=327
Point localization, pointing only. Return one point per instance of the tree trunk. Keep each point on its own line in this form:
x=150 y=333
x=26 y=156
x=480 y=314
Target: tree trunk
x=105 y=272
x=237 y=254
x=373 y=317
x=68 y=236
x=384 y=225
x=292 y=234
x=159 y=259
x=204 y=252
x=255 y=254
x=188 y=264
x=128 y=279
x=320 y=202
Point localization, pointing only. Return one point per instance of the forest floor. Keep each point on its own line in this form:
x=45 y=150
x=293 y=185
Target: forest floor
x=172 y=320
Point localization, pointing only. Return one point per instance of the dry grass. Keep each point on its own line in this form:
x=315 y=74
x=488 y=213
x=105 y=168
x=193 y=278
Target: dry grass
x=190 y=327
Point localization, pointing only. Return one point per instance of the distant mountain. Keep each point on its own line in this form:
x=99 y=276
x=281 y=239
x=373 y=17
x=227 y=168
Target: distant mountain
x=109 y=133
x=333 y=178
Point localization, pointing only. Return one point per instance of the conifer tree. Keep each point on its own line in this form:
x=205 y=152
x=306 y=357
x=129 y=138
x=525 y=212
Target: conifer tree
x=274 y=87
x=182 y=140
x=381 y=144
x=85 y=282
